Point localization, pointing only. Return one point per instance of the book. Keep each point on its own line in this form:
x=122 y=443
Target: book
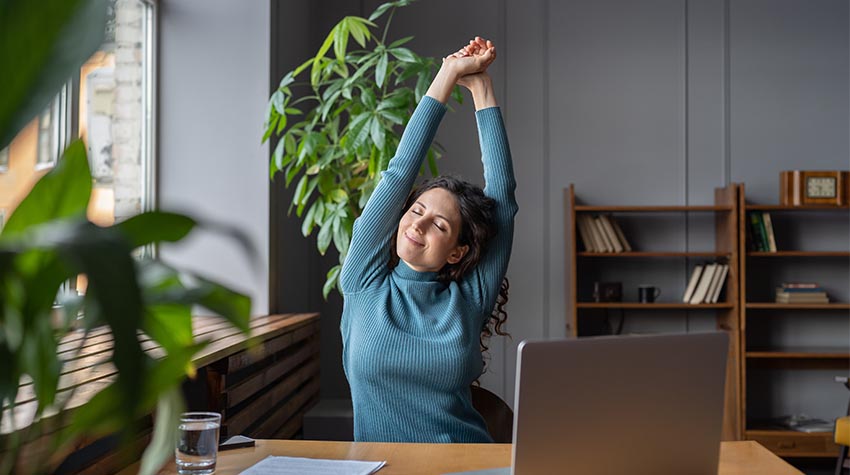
x=621 y=235
x=692 y=283
x=581 y=224
x=799 y=285
x=713 y=284
x=724 y=271
x=609 y=231
x=759 y=240
x=704 y=282
x=607 y=246
x=768 y=227
x=598 y=244
x=801 y=297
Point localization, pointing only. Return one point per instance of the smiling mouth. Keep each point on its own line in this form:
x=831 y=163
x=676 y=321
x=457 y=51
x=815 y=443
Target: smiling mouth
x=414 y=241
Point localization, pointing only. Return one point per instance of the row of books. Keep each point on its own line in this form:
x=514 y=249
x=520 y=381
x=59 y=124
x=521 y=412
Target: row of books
x=601 y=233
x=801 y=292
x=706 y=283
x=762 y=237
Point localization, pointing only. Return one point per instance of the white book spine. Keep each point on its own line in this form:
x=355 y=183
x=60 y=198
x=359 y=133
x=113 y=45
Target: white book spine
x=721 y=282
x=612 y=235
x=692 y=284
x=607 y=246
x=704 y=282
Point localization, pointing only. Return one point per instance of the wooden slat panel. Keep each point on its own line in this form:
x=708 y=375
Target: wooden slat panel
x=90 y=366
x=297 y=422
x=244 y=359
x=255 y=383
x=117 y=460
x=84 y=388
x=237 y=423
x=291 y=411
x=228 y=346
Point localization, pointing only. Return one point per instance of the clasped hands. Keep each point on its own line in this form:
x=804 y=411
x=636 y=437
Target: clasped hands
x=469 y=64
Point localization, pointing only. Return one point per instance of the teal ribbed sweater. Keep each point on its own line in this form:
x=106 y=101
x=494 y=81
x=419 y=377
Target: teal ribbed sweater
x=410 y=343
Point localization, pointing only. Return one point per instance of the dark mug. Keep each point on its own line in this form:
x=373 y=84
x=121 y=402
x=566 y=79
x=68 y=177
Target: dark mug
x=648 y=293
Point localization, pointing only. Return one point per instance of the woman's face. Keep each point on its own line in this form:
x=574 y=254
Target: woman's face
x=428 y=232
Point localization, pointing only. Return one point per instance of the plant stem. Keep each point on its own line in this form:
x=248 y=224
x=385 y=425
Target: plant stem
x=387 y=26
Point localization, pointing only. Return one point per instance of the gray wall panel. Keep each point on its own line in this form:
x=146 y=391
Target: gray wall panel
x=213 y=76
x=788 y=90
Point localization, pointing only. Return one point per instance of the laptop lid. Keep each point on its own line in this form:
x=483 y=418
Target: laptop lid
x=620 y=404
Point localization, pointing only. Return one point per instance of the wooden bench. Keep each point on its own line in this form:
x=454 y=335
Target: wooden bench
x=261 y=390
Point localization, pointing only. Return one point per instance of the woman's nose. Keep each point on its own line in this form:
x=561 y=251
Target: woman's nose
x=418 y=224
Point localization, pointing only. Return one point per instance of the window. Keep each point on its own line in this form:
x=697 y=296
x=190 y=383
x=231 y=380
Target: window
x=110 y=106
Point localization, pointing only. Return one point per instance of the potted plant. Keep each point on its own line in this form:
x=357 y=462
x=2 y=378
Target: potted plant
x=48 y=240
x=334 y=141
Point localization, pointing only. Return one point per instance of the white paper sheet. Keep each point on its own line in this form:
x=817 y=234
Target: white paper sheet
x=305 y=466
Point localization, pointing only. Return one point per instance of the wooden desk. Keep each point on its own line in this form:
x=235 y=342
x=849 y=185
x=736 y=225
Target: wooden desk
x=736 y=458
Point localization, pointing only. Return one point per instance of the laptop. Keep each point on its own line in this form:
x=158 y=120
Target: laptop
x=648 y=404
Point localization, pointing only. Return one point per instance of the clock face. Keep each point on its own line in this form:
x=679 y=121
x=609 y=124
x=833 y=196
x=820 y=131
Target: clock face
x=820 y=187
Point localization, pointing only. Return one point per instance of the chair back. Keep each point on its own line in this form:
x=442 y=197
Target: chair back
x=498 y=416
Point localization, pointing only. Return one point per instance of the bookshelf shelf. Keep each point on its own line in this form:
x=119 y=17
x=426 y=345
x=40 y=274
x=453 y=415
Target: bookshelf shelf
x=801 y=353
x=650 y=209
x=799 y=254
x=655 y=306
x=796 y=306
x=758 y=207
x=765 y=362
x=655 y=254
x=587 y=265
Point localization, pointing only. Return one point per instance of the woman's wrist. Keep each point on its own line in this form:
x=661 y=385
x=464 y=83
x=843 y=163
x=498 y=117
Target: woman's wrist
x=482 y=92
x=443 y=83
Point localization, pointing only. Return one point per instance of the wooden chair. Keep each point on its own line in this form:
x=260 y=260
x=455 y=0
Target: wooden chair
x=497 y=414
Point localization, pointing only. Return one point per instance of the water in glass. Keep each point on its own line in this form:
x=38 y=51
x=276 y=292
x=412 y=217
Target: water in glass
x=197 y=445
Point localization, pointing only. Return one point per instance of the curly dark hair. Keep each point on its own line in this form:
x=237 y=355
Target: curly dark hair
x=477 y=229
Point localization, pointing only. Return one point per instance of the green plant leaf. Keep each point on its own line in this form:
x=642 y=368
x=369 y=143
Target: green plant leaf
x=288 y=79
x=399 y=42
x=341 y=39
x=339 y=195
x=341 y=237
x=308 y=220
x=404 y=54
x=331 y=280
x=368 y=97
x=281 y=124
x=155 y=226
x=324 y=238
x=381 y=69
x=377 y=132
x=36 y=68
x=300 y=189
x=161 y=448
x=62 y=193
x=380 y=11
x=278 y=100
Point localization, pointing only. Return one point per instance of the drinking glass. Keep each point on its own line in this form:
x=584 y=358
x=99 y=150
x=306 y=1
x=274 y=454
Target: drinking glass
x=197 y=442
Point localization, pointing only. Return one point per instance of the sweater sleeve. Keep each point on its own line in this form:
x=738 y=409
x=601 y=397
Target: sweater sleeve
x=368 y=256
x=484 y=281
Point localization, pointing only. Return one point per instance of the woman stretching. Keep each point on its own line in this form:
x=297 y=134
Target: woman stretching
x=424 y=274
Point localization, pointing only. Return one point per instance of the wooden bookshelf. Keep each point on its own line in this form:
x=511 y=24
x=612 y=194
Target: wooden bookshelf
x=760 y=318
x=580 y=264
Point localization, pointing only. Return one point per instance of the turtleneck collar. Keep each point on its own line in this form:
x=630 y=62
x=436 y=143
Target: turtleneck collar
x=404 y=271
